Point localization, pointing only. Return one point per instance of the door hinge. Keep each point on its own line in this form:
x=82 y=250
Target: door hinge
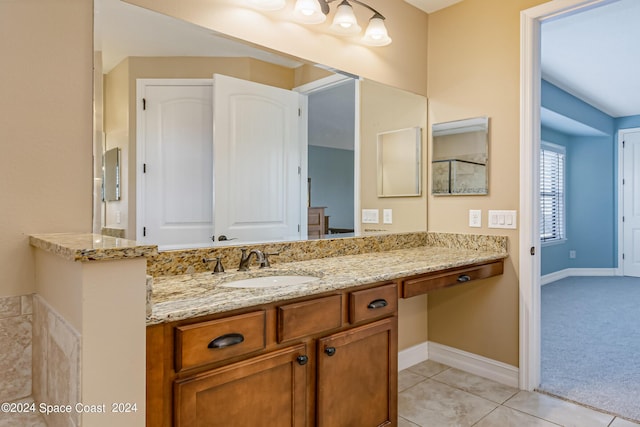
x=623 y=144
x=299 y=112
x=144 y=103
x=144 y=231
x=144 y=168
x=299 y=170
x=532 y=251
x=622 y=256
x=298 y=228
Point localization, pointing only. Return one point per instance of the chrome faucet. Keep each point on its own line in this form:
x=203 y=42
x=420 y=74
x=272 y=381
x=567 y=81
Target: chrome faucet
x=245 y=259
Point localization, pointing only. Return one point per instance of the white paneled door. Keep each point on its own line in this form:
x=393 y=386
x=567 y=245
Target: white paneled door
x=631 y=202
x=175 y=202
x=257 y=161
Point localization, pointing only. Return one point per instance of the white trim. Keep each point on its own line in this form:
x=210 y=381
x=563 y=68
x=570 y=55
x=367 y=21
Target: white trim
x=413 y=355
x=621 y=134
x=529 y=266
x=323 y=83
x=478 y=365
x=577 y=272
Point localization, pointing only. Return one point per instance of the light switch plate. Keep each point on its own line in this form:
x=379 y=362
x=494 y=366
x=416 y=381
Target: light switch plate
x=387 y=216
x=475 y=218
x=502 y=219
x=370 y=216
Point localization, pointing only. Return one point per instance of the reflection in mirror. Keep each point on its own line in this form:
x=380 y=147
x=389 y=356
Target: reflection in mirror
x=460 y=157
x=111 y=175
x=159 y=47
x=399 y=166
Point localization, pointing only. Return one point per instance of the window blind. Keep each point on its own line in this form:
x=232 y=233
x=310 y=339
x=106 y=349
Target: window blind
x=552 y=209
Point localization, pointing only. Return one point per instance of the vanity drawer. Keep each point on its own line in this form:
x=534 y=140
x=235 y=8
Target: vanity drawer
x=373 y=303
x=424 y=284
x=217 y=340
x=306 y=318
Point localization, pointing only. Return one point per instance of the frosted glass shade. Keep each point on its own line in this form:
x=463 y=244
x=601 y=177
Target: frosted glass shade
x=308 y=12
x=376 y=33
x=344 y=21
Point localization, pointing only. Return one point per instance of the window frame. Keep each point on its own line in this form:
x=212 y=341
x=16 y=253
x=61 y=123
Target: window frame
x=562 y=234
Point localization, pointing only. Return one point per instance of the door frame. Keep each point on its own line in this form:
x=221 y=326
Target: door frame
x=529 y=235
x=621 y=154
x=326 y=83
x=140 y=143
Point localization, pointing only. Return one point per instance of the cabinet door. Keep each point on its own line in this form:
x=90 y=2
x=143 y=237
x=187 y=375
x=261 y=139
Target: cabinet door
x=267 y=390
x=357 y=380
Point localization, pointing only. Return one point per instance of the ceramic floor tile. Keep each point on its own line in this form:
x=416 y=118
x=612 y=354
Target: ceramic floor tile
x=408 y=379
x=558 y=411
x=404 y=423
x=619 y=422
x=507 y=417
x=434 y=404
x=474 y=384
x=428 y=368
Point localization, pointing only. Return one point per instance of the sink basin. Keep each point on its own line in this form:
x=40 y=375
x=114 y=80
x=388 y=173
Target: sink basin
x=270 y=281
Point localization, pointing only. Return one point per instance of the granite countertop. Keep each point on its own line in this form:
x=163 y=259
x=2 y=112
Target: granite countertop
x=191 y=295
x=90 y=247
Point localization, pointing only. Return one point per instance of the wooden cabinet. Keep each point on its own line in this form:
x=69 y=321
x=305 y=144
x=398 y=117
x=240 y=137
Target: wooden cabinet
x=327 y=360
x=425 y=283
x=316 y=223
x=355 y=384
x=266 y=390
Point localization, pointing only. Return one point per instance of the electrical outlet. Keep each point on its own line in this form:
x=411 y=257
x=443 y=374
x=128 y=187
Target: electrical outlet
x=475 y=218
x=572 y=254
x=387 y=216
x=370 y=216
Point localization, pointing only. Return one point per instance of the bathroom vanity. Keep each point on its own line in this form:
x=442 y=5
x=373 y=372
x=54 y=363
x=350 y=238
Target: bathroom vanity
x=294 y=355
x=311 y=353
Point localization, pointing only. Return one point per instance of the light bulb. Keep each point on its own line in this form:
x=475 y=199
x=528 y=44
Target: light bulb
x=344 y=21
x=308 y=12
x=376 y=33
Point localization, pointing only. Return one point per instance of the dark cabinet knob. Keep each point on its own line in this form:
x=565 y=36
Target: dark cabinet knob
x=330 y=351
x=302 y=360
x=463 y=278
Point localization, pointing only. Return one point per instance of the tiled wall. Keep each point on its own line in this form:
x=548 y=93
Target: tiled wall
x=16 y=345
x=56 y=362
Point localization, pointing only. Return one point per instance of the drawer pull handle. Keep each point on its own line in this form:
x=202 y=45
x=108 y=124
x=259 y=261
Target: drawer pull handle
x=226 y=341
x=379 y=303
x=330 y=351
x=302 y=360
x=463 y=278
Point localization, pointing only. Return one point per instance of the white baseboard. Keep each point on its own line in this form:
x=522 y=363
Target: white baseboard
x=413 y=355
x=568 y=272
x=459 y=359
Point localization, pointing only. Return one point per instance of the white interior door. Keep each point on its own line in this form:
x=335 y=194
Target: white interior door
x=631 y=203
x=257 y=160
x=175 y=207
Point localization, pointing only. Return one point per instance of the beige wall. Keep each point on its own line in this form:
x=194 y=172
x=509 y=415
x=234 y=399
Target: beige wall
x=45 y=128
x=384 y=109
x=402 y=64
x=475 y=72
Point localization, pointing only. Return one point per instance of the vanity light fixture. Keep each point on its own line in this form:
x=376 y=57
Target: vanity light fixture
x=344 y=21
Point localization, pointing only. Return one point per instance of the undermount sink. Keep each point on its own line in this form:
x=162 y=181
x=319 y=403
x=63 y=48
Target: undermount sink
x=270 y=281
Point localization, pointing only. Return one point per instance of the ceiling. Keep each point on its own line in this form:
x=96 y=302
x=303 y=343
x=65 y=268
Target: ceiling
x=593 y=54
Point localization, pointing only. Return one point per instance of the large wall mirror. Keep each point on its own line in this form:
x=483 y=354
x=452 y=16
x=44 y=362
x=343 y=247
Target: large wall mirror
x=460 y=157
x=133 y=44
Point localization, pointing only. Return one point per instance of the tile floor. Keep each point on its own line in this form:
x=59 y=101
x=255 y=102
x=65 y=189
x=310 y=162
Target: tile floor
x=435 y=395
